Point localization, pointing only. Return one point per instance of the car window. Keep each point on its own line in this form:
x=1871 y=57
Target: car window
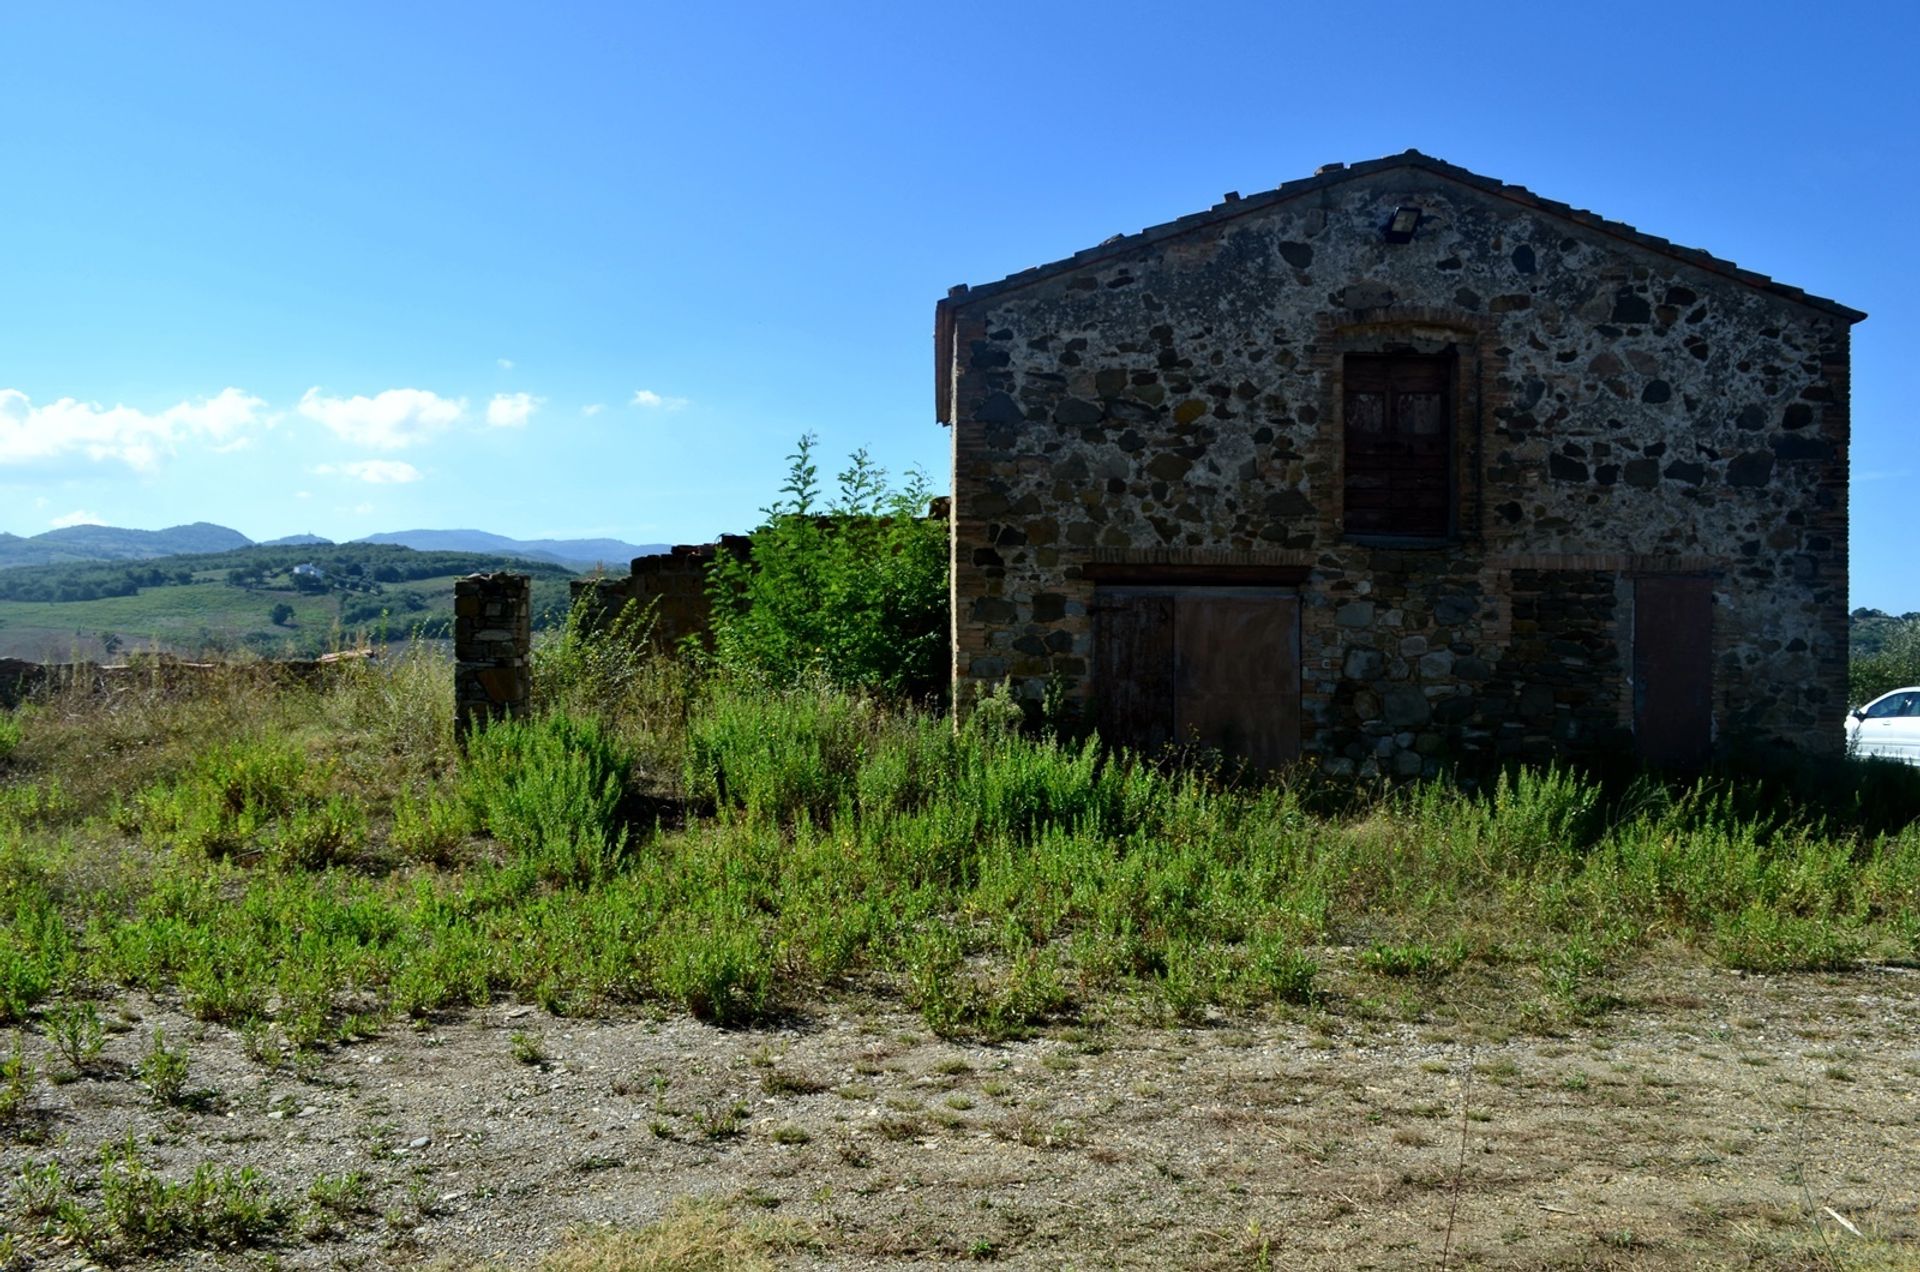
x=1894 y=704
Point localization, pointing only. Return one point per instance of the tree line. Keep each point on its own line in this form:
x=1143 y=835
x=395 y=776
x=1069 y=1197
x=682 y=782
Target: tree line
x=359 y=567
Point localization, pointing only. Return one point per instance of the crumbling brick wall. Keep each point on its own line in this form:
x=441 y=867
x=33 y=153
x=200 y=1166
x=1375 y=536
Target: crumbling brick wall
x=668 y=589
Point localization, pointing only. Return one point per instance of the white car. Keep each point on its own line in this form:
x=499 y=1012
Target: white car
x=1888 y=727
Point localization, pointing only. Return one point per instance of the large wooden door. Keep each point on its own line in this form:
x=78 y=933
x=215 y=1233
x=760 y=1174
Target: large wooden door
x=1133 y=665
x=1219 y=667
x=1673 y=670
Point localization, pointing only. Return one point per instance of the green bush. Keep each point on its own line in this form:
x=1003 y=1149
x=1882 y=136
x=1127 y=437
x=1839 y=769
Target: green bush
x=1894 y=665
x=429 y=827
x=778 y=753
x=141 y=1213
x=1759 y=939
x=228 y=797
x=550 y=788
x=855 y=591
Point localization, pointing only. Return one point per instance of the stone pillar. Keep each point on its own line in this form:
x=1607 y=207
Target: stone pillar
x=492 y=630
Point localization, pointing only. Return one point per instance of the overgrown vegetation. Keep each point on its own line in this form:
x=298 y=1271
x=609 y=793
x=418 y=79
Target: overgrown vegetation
x=1886 y=657
x=129 y=1209
x=308 y=863
x=853 y=591
x=315 y=860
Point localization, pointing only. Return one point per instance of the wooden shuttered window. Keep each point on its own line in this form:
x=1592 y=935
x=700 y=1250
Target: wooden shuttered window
x=1399 y=444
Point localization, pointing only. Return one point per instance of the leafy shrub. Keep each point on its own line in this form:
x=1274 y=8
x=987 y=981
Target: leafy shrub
x=76 y=1030
x=591 y=664
x=141 y=1213
x=1759 y=939
x=720 y=973
x=320 y=832
x=1415 y=959
x=550 y=788
x=40 y=1188
x=164 y=1070
x=334 y=1202
x=1895 y=664
x=9 y=733
x=778 y=753
x=229 y=795
x=17 y=1078
x=855 y=591
x=429 y=827
x=36 y=946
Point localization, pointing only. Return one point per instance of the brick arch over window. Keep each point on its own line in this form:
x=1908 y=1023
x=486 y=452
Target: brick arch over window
x=1457 y=344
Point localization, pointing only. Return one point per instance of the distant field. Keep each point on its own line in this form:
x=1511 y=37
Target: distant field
x=209 y=615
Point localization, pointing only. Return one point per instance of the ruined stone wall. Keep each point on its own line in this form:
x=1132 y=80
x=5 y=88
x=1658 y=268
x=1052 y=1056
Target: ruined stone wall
x=668 y=588
x=1618 y=412
x=492 y=644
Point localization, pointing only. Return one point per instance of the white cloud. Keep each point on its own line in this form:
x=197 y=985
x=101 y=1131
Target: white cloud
x=375 y=472
x=647 y=399
x=592 y=409
x=511 y=410
x=389 y=420
x=303 y=494
x=506 y=364
x=77 y=518
x=30 y=433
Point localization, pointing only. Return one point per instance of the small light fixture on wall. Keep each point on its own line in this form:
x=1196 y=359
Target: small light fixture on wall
x=1402 y=224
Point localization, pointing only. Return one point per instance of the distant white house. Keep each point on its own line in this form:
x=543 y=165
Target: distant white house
x=308 y=570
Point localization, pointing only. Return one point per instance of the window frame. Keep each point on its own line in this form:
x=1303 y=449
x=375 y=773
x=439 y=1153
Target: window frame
x=1408 y=365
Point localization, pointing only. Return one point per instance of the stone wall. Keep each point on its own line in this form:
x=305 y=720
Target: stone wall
x=1560 y=687
x=1617 y=412
x=492 y=637
x=669 y=589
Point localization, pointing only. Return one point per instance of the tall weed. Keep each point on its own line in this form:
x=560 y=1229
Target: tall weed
x=550 y=788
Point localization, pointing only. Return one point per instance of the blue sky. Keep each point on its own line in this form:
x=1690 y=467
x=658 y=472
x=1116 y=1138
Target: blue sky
x=576 y=270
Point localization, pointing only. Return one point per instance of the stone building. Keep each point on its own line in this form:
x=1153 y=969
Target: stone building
x=1396 y=464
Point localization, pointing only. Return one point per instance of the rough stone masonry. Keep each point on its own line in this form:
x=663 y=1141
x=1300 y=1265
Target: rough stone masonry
x=1630 y=461
x=492 y=642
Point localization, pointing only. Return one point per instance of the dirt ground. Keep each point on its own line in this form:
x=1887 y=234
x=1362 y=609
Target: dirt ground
x=1714 y=1120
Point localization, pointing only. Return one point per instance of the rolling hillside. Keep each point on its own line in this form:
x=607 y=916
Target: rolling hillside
x=112 y=543
x=579 y=554
x=212 y=602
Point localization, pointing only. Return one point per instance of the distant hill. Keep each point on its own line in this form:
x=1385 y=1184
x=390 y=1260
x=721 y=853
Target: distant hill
x=1868 y=629
x=199 y=603
x=576 y=554
x=110 y=543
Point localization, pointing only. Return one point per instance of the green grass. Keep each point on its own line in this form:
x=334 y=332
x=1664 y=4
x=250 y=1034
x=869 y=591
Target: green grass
x=316 y=859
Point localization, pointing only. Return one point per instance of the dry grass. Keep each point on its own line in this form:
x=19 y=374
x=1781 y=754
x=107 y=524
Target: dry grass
x=699 y=1235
